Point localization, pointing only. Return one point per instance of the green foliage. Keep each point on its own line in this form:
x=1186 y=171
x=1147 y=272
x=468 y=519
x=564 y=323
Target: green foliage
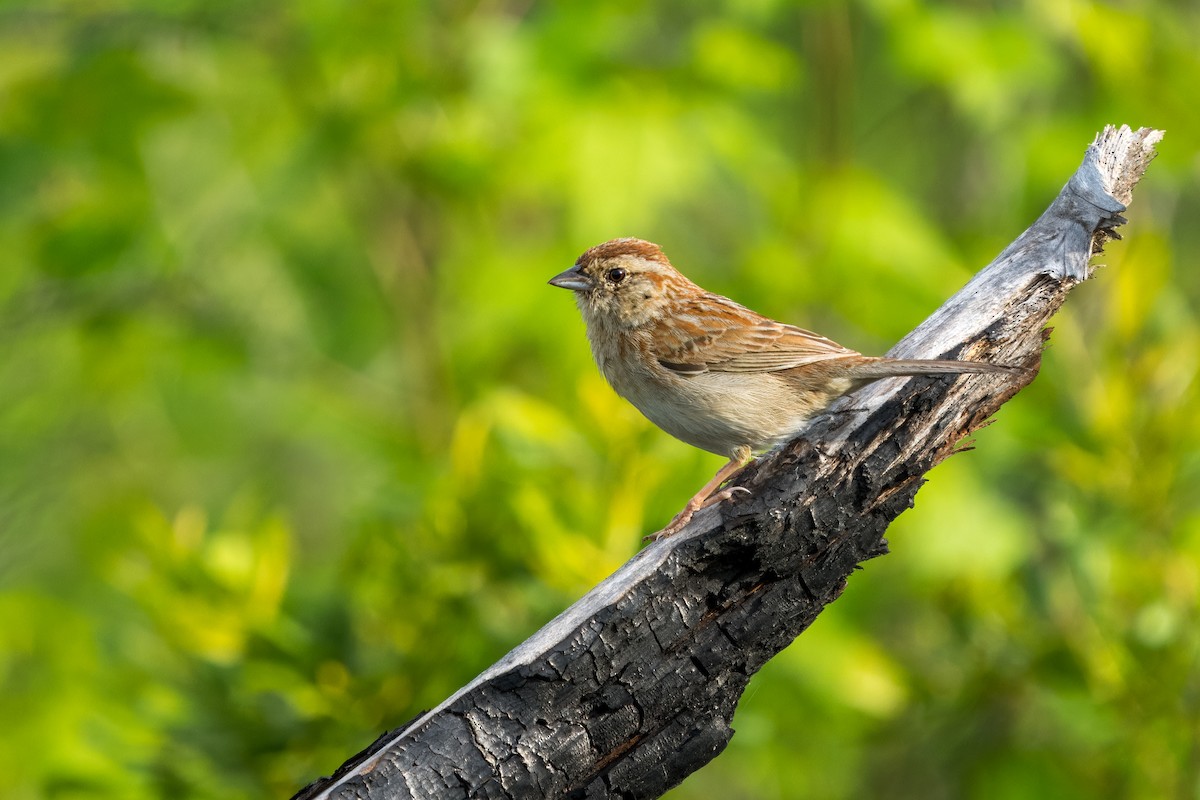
x=295 y=440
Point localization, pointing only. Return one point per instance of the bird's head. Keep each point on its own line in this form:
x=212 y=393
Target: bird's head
x=623 y=282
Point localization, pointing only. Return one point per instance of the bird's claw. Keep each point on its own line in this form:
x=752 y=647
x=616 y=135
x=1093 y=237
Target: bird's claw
x=727 y=493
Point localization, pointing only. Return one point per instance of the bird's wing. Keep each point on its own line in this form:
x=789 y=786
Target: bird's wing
x=714 y=334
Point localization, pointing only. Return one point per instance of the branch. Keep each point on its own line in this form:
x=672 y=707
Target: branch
x=633 y=688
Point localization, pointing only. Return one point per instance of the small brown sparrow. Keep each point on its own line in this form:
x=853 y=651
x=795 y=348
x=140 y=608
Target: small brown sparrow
x=707 y=370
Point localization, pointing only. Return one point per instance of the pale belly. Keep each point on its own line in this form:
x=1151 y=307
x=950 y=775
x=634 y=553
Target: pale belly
x=720 y=412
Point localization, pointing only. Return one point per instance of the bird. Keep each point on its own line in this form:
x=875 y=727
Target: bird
x=708 y=371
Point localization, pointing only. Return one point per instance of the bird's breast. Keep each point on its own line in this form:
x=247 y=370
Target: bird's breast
x=715 y=411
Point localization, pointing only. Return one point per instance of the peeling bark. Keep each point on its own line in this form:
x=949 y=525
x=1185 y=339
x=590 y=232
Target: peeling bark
x=633 y=688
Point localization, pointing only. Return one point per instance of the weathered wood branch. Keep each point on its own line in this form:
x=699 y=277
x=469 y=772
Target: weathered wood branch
x=633 y=688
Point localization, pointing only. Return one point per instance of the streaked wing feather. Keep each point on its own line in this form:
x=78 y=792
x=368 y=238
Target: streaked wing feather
x=714 y=334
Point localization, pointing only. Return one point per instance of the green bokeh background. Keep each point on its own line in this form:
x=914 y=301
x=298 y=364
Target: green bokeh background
x=295 y=440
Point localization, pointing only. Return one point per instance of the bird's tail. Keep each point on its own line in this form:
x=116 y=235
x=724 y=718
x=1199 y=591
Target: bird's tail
x=872 y=369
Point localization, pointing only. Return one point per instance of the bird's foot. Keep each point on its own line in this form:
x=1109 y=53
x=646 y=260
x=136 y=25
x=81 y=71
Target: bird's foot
x=708 y=494
x=695 y=504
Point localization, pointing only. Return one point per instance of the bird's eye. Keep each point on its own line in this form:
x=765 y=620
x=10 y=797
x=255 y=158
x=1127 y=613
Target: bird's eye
x=616 y=275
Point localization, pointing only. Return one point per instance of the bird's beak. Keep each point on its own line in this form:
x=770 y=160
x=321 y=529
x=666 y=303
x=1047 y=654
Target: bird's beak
x=572 y=279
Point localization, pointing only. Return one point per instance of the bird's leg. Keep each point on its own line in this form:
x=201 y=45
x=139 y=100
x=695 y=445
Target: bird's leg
x=708 y=494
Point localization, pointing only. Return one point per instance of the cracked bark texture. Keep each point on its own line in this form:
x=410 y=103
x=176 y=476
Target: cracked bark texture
x=633 y=688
